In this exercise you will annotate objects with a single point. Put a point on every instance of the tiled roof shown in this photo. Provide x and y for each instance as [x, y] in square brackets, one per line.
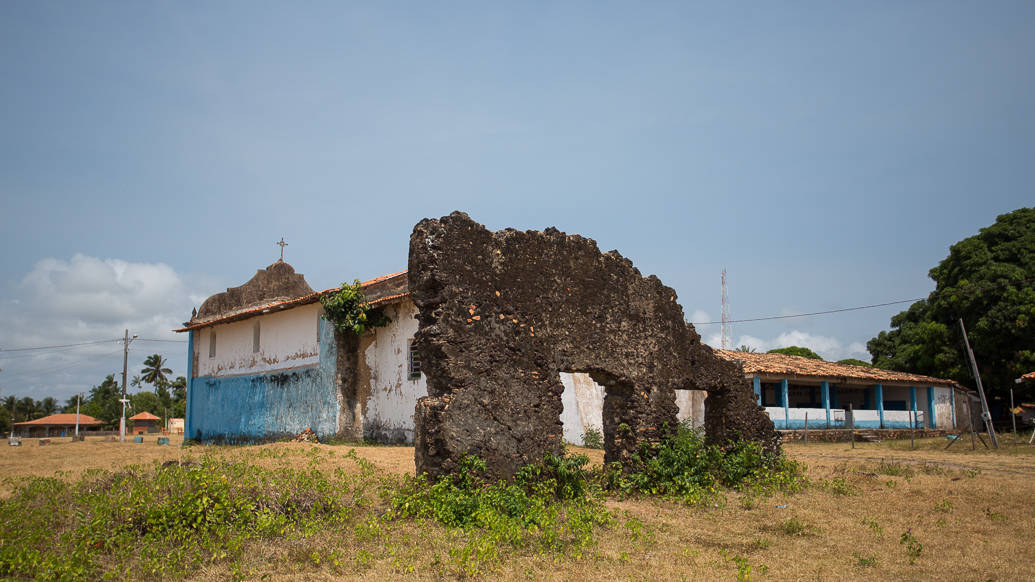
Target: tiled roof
[144, 416]
[61, 420]
[796, 366]
[371, 288]
[1030, 376]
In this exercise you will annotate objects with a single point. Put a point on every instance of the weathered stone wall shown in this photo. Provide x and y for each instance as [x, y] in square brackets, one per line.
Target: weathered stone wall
[502, 313]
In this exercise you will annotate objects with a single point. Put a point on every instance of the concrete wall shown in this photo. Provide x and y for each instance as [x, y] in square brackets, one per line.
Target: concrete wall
[943, 408]
[388, 414]
[287, 339]
[691, 406]
[268, 404]
[583, 401]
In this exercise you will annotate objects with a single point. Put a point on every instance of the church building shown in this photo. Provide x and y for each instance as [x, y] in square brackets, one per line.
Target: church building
[265, 364]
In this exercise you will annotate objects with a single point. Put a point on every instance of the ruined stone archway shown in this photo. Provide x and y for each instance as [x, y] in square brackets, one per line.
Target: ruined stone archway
[502, 313]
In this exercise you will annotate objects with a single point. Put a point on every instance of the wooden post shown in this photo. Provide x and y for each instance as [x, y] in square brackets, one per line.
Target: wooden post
[985, 414]
[851, 425]
[912, 430]
[1013, 418]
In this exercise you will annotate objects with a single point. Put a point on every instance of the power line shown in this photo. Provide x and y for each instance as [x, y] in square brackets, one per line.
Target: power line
[2, 350]
[875, 305]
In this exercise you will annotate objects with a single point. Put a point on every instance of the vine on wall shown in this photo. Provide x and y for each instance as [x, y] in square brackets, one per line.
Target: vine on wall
[347, 309]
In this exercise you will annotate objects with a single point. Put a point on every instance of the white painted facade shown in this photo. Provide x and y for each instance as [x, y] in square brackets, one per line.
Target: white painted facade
[393, 392]
[942, 408]
[286, 339]
[583, 401]
[691, 407]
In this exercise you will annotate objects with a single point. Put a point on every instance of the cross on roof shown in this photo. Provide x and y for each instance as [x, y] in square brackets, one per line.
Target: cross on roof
[282, 245]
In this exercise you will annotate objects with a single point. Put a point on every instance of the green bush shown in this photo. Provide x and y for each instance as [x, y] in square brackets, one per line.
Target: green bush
[683, 466]
[162, 521]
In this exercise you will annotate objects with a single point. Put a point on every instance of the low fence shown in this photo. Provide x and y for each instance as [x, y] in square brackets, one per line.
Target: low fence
[816, 418]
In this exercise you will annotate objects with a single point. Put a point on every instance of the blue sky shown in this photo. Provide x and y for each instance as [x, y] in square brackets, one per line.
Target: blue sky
[825, 154]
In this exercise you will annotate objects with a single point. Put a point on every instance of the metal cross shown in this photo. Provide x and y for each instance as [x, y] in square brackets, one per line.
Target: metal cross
[282, 245]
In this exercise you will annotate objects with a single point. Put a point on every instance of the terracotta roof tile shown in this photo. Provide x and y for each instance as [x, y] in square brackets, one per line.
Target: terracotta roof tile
[61, 420]
[784, 365]
[144, 416]
[304, 300]
[1030, 376]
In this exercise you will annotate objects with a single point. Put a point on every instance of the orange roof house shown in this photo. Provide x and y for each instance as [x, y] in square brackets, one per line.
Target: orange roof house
[796, 390]
[55, 424]
[145, 422]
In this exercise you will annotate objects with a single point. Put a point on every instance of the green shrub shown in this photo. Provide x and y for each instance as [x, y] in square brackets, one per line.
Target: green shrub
[593, 439]
[162, 521]
[683, 466]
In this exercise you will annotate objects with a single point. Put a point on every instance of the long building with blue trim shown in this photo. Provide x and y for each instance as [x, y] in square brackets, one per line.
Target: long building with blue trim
[795, 390]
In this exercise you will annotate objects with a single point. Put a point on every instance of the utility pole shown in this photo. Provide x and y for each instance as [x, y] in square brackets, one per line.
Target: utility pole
[78, 397]
[985, 414]
[125, 371]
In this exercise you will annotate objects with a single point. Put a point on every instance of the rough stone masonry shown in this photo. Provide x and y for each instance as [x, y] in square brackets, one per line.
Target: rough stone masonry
[502, 313]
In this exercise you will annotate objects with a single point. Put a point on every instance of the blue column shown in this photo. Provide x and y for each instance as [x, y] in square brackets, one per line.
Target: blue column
[757, 382]
[878, 395]
[952, 405]
[824, 388]
[187, 427]
[930, 407]
[786, 403]
[912, 401]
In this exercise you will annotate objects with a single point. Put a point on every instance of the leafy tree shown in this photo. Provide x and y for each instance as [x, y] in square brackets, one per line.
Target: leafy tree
[347, 309]
[48, 406]
[796, 351]
[103, 402]
[154, 371]
[855, 362]
[27, 409]
[987, 281]
[747, 348]
[178, 387]
[146, 402]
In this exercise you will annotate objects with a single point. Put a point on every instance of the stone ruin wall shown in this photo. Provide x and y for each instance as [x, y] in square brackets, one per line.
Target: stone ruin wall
[502, 313]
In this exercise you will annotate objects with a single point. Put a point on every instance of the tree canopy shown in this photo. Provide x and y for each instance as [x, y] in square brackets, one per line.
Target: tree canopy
[855, 362]
[796, 351]
[987, 281]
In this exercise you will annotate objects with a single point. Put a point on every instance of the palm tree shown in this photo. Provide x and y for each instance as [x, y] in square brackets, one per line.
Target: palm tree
[48, 406]
[154, 372]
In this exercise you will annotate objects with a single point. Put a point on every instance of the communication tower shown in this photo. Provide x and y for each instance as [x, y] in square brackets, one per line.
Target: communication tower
[725, 341]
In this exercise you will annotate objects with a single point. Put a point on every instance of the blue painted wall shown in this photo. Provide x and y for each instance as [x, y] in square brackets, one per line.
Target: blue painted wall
[267, 405]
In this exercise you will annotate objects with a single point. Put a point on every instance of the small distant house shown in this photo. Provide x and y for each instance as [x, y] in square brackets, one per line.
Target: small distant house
[56, 425]
[145, 422]
[792, 388]
[175, 426]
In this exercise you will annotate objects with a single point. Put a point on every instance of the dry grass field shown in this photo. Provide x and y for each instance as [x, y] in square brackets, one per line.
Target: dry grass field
[879, 511]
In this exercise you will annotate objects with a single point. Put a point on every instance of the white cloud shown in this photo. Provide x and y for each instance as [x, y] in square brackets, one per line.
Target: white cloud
[700, 316]
[829, 348]
[88, 299]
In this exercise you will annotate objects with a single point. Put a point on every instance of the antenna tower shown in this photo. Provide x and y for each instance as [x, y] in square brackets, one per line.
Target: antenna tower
[726, 341]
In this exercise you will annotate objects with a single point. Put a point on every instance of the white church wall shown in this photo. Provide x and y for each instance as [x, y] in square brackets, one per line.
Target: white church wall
[583, 401]
[393, 392]
[287, 339]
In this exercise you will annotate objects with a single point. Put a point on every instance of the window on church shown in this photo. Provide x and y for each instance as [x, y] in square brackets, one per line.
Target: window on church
[212, 344]
[255, 337]
[415, 368]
